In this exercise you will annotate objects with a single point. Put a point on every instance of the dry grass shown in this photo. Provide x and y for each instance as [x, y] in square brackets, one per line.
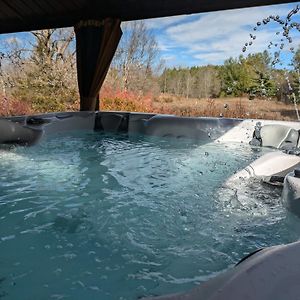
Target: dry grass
[169, 104]
[226, 107]
[172, 104]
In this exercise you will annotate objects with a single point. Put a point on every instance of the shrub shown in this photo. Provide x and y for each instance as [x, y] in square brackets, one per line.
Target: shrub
[14, 107]
[112, 99]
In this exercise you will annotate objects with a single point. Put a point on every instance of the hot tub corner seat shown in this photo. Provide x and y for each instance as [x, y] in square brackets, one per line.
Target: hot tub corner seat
[276, 136]
[13, 133]
[274, 166]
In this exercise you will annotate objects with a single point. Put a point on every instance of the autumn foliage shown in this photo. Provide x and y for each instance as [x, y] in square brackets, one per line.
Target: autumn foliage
[12, 106]
[113, 99]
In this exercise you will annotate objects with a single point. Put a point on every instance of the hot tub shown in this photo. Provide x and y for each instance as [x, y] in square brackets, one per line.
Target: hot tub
[129, 205]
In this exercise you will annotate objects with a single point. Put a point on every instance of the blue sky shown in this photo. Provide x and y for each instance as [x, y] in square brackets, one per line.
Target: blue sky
[209, 38]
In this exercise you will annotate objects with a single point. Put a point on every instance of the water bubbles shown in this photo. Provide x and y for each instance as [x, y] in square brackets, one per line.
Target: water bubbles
[283, 37]
[290, 14]
[286, 32]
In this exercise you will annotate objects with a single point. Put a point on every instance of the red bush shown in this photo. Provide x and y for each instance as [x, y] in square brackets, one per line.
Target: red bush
[13, 107]
[114, 99]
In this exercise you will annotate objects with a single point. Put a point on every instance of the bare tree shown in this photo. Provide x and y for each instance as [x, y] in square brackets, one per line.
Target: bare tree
[136, 59]
[48, 78]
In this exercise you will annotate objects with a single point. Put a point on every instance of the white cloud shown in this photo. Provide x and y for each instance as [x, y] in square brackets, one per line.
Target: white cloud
[214, 37]
[220, 24]
[13, 40]
[168, 57]
[160, 23]
[218, 50]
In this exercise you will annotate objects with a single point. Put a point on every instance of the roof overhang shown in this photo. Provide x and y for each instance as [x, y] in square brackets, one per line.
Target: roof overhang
[26, 15]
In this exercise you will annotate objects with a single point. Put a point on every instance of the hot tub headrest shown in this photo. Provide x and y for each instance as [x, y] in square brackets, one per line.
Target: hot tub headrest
[275, 136]
[15, 133]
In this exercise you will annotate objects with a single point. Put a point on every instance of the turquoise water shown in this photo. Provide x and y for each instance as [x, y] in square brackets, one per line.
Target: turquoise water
[93, 216]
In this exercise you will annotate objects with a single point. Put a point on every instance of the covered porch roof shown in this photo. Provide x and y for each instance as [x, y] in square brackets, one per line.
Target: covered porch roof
[25, 15]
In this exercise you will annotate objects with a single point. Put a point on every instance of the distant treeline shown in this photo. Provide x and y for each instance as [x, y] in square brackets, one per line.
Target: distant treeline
[253, 76]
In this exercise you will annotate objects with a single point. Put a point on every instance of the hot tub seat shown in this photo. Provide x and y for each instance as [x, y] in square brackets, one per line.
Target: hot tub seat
[276, 136]
[273, 167]
[291, 192]
[202, 129]
[270, 274]
[267, 167]
[17, 134]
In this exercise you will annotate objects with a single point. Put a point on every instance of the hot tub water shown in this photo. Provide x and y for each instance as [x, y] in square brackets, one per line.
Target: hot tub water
[94, 216]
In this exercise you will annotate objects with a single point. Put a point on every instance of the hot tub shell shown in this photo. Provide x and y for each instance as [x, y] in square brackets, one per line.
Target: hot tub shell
[201, 128]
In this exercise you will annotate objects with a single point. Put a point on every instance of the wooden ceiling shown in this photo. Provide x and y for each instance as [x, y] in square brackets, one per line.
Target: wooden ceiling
[25, 15]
